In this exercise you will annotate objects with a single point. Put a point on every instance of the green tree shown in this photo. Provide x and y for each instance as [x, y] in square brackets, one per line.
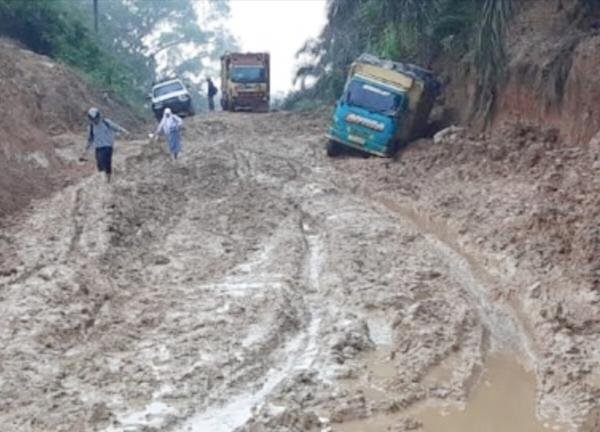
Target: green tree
[159, 37]
[136, 39]
[47, 27]
[406, 30]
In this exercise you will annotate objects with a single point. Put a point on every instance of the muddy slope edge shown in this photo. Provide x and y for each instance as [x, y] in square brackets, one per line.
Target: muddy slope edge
[42, 124]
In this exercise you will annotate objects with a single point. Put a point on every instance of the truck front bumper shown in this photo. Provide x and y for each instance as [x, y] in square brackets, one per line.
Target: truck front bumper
[250, 102]
[357, 146]
[177, 106]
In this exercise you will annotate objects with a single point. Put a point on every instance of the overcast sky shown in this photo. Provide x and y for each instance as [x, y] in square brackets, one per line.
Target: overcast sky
[277, 26]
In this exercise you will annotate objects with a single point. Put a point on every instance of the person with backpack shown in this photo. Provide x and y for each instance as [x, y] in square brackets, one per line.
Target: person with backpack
[170, 126]
[212, 91]
[101, 136]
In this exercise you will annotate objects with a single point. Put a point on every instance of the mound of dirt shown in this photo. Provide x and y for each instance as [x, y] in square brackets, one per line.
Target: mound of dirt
[41, 117]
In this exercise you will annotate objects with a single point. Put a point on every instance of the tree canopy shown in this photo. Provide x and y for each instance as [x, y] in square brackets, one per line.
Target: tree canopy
[137, 42]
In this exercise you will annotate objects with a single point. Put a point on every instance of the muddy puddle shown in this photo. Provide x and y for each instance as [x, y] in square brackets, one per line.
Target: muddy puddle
[502, 401]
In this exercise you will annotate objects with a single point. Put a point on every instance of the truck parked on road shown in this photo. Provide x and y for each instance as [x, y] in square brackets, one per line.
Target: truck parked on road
[245, 82]
[384, 104]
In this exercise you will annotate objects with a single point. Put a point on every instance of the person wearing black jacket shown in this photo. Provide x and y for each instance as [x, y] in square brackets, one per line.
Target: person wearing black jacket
[212, 91]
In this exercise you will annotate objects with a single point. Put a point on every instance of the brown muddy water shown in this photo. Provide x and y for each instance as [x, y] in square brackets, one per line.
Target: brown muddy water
[502, 401]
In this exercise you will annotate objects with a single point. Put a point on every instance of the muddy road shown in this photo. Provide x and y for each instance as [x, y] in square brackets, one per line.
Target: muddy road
[253, 285]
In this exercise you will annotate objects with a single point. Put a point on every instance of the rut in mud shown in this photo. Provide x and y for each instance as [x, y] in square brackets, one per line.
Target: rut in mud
[252, 285]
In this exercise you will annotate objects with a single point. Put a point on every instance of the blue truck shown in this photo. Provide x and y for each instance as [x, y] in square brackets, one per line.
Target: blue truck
[384, 104]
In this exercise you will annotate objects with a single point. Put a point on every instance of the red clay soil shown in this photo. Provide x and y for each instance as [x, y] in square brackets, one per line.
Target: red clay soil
[551, 77]
[553, 70]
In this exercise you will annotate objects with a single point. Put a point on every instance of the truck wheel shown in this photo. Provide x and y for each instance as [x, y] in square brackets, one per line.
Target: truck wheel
[333, 149]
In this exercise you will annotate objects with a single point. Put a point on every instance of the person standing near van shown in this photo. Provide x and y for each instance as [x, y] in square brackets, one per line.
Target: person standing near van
[212, 91]
[170, 127]
[101, 136]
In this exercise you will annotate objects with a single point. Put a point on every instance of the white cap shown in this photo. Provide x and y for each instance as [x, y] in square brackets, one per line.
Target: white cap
[93, 113]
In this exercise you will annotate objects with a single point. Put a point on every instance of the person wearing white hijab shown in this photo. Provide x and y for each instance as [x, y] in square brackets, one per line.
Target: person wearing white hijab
[170, 127]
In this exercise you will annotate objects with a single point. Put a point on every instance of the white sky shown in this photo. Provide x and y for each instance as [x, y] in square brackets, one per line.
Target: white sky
[277, 26]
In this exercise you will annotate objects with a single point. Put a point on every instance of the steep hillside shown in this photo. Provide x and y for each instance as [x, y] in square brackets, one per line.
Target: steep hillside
[553, 68]
[551, 76]
[42, 117]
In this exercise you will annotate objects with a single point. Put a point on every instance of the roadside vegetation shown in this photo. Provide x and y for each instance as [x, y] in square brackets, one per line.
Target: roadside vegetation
[470, 32]
[137, 42]
[403, 30]
[48, 27]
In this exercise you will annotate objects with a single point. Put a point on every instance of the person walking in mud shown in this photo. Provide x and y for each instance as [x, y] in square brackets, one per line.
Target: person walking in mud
[170, 126]
[101, 136]
[212, 91]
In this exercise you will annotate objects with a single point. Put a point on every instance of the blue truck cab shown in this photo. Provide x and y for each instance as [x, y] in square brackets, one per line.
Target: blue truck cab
[383, 105]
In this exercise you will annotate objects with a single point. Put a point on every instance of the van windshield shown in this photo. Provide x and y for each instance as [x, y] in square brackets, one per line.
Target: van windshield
[373, 97]
[167, 88]
[247, 74]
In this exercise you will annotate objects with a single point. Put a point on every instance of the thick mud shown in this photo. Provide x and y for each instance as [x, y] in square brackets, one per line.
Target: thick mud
[503, 400]
[250, 286]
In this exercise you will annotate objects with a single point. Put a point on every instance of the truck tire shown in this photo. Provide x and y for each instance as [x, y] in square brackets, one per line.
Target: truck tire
[333, 149]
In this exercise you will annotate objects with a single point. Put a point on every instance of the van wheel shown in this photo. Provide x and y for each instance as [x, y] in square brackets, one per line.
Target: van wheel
[333, 149]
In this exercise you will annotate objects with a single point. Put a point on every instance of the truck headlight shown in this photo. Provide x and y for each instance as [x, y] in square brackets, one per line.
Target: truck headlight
[183, 98]
[158, 105]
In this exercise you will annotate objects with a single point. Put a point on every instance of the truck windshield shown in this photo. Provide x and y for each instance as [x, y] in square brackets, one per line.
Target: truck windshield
[373, 97]
[167, 88]
[247, 74]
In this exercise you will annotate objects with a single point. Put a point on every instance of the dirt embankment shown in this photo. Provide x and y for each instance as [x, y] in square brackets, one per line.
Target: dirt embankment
[551, 76]
[42, 117]
[553, 69]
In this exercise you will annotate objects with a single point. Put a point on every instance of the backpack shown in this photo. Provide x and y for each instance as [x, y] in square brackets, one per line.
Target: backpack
[212, 89]
[91, 130]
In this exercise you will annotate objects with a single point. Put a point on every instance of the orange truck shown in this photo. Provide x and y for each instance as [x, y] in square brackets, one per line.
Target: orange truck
[245, 82]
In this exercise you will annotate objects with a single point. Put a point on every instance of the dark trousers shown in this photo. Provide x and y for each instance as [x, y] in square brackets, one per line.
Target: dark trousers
[104, 159]
[211, 103]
